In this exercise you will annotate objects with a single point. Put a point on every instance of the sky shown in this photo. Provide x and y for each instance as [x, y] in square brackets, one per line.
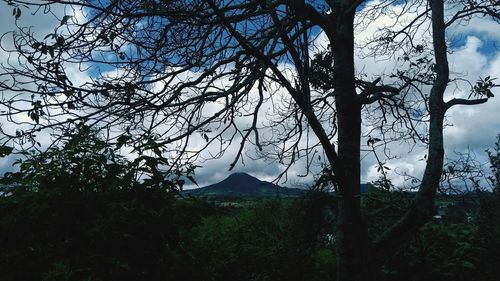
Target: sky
[475, 53]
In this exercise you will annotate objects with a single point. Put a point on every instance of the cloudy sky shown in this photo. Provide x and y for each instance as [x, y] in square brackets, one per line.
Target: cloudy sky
[475, 53]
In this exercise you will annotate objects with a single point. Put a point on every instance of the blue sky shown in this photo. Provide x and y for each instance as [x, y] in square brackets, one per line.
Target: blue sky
[475, 53]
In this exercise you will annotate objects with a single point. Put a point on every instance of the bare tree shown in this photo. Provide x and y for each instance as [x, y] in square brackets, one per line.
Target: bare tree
[162, 73]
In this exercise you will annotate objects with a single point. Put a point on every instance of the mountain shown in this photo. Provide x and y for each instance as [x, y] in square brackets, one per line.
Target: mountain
[243, 185]
[364, 187]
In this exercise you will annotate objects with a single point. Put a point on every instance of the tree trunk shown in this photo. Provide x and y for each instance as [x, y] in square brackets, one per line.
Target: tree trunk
[354, 262]
[423, 206]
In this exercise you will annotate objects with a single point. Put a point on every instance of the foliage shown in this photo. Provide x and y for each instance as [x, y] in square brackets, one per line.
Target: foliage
[488, 219]
[459, 245]
[74, 235]
[146, 234]
[383, 205]
[108, 230]
[83, 212]
[494, 157]
[439, 252]
[488, 233]
[275, 240]
[68, 229]
[86, 162]
[79, 213]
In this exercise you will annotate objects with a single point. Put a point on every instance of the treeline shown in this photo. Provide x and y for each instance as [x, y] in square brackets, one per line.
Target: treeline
[148, 234]
[76, 213]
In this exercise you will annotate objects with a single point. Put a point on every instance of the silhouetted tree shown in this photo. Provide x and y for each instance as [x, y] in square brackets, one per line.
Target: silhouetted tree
[162, 73]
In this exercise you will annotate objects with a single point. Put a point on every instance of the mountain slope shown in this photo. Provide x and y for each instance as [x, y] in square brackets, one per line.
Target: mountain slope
[243, 185]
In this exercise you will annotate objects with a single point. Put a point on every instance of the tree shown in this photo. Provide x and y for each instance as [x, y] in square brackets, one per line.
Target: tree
[83, 212]
[163, 73]
[86, 163]
[488, 220]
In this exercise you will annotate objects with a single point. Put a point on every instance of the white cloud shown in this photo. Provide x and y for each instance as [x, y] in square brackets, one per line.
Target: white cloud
[478, 26]
[472, 126]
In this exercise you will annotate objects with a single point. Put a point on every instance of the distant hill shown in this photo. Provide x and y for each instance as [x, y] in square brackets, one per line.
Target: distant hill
[364, 187]
[243, 185]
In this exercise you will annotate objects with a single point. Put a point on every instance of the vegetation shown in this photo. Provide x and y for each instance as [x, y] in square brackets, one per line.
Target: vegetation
[56, 227]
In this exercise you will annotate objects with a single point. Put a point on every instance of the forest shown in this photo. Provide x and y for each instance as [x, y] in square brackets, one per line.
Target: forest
[63, 219]
[109, 109]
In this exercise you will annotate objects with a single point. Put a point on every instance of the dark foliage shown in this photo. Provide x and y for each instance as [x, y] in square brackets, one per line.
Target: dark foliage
[68, 229]
[82, 212]
[71, 235]
[276, 240]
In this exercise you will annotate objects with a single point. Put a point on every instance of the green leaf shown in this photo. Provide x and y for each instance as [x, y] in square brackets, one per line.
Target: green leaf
[36, 45]
[69, 93]
[5, 150]
[35, 117]
[191, 178]
[16, 12]
[64, 20]
[122, 140]
[51, 51]
[157, 151]
[60, 41]
[150, 161]
[468, 265]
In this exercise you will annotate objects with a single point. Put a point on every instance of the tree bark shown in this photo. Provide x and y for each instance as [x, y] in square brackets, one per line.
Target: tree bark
[353, 244]
[354, 247]
[423, 206]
